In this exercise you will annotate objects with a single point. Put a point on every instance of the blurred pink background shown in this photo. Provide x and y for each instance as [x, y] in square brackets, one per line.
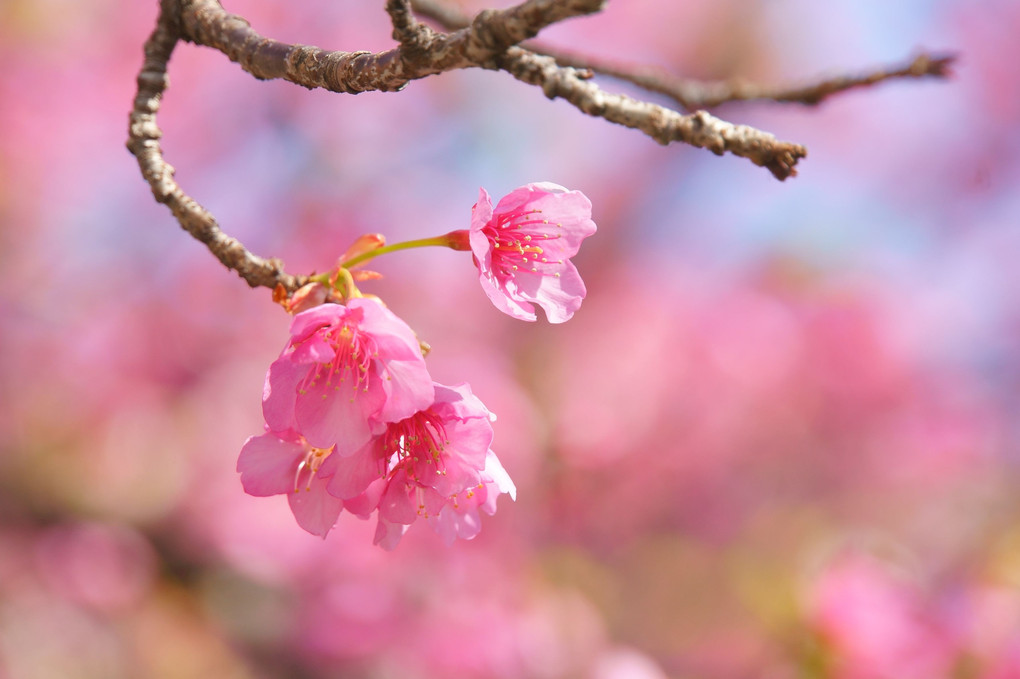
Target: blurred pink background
[779, 439]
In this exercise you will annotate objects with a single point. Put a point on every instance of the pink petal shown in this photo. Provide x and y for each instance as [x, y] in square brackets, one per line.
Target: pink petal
[363, 505]
[408, 388]
[495, 471]
[267, 465]
[394, 339]
[396, 505]
[387, 535]
[314, 349]
[525, 194]
[279, 393]
[329, 415]
[308, 322]
[481, 212]
[559, 296]
[315, 510]
[352, 475]
[506, 301]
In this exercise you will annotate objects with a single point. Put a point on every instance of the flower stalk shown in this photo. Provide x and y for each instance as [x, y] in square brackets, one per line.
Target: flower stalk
[455, 240]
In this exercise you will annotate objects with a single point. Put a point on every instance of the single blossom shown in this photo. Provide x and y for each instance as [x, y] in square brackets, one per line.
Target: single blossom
[523, 248]
[435, 464]
[458, 518]
[345, 371]
[403, 499]
[284, 463]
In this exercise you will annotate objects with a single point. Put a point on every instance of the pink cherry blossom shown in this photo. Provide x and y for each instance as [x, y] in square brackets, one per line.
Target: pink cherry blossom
[405, 498]
[459, 517]
[436, 464]
[523, 249]
[344, 370]
[284, 463]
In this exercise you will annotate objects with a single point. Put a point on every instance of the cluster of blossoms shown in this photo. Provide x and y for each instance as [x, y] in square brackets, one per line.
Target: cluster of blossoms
[354, 420]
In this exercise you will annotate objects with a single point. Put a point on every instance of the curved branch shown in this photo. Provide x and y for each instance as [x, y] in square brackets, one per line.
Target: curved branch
[143, 142]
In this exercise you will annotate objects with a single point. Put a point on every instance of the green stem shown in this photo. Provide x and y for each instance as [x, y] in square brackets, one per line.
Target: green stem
[442, 241]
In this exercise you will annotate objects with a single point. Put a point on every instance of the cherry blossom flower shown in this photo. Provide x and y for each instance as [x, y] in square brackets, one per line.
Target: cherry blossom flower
[436, 464]
[523, 249]
[345, 370]
[404, 499]
[284, 463]
[459, 517]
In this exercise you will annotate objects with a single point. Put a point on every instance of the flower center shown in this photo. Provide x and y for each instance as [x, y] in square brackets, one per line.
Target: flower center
[352, 358]
[309, 467]
[515, 236]
[417, 443]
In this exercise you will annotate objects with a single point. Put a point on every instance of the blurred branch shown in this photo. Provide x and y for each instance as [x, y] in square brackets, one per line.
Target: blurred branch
[694, 94]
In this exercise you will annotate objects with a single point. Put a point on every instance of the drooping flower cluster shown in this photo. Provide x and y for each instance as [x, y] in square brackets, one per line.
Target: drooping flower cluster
[354, 421]
[353, 418]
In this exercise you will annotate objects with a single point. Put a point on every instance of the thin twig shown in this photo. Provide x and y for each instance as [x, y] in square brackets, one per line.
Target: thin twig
[696, 94]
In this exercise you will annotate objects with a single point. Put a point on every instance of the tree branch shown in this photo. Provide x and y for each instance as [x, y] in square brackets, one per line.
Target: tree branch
[661, 124]
[143, 141]
[694, 94]
[488, 41]
[205, 22]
